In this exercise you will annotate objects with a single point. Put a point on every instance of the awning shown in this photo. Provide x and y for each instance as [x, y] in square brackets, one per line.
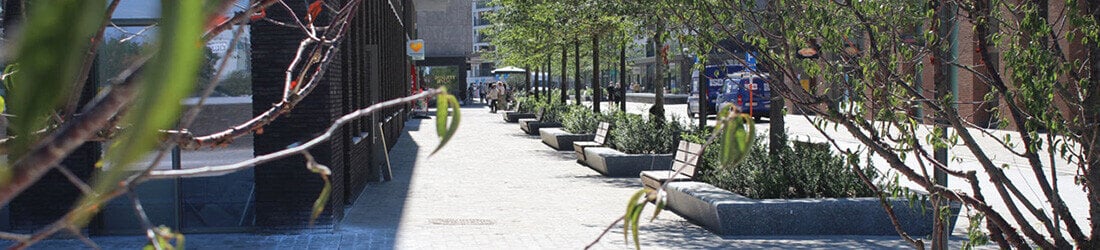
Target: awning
[509, 69]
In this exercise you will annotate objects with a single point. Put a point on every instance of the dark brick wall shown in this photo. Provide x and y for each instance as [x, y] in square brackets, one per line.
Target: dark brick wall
[370, 67]
[52, 196]
[285, 189]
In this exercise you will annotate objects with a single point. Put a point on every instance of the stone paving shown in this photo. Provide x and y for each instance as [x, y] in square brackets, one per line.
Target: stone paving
[493, 187]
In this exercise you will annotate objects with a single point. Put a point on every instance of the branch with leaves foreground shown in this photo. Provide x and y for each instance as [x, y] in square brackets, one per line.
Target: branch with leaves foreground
[444, 126]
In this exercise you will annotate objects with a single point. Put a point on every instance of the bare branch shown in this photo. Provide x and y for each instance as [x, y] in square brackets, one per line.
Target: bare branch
[150, 232]
[76, 232]
[14, 236]
[75, 180]
[71, 135]
[86, 67]
[225, 169]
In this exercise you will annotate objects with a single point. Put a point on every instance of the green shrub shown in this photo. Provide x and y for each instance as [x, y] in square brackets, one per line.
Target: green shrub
[551, 111]
[804, 170]
[579, 119]
[239, 83]
[525, 104]
[634, 134]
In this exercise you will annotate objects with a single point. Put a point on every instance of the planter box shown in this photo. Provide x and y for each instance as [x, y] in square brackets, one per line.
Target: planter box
[612, 163]
[730, 214]
[532, 126]
[511, 116]
[558, 139]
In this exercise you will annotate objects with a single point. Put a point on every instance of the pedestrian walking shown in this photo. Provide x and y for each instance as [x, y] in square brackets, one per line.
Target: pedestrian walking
[495, 95]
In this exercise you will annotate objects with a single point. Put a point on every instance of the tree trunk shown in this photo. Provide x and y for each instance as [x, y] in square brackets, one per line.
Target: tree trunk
[527, 77]
[622, 77]
[777, 136]
[596, 94]
[658, 109]
[564, 96]
[1092, 145]
[549, 80]
[535, 87]
[577, 71]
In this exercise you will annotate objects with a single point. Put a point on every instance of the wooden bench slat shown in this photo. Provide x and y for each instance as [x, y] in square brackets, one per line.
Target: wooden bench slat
[688, 155]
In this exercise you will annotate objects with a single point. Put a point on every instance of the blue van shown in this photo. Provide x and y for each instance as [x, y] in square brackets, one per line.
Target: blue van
[715, 77]
[748, 92]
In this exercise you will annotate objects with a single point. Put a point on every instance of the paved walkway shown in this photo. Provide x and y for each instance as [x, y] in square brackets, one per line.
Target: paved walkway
[493, 187]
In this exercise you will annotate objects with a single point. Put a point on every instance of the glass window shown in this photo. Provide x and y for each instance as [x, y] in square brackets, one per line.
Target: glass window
[209, 204]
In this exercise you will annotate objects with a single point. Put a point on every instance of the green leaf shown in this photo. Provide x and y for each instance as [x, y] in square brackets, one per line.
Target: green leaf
[634, 226]
[444, 130]
[322, 199]
[49, 54]
[631, 208]
[661, 202]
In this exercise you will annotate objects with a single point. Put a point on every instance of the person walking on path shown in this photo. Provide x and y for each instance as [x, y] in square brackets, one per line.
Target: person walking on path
[495, 95]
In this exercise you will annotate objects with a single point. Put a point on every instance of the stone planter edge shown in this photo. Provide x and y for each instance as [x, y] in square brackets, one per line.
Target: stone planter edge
[729, 214]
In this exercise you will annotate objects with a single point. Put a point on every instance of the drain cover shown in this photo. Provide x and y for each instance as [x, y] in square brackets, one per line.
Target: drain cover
[460, 222]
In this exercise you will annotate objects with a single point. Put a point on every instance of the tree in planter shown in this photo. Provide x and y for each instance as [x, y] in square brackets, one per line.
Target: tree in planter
[1040, 72]
[49, 64]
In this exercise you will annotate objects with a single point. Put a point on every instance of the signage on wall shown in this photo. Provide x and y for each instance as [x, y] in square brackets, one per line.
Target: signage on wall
[415, 49]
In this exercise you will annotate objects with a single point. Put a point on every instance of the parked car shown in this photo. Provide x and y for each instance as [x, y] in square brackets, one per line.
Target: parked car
[716, 76]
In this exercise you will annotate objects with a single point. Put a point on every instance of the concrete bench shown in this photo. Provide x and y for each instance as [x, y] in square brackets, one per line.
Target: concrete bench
[601, 138]
[686, 160]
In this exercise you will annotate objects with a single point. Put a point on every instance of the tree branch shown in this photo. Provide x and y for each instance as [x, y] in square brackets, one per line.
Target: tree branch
[71, 135]
[226, 169]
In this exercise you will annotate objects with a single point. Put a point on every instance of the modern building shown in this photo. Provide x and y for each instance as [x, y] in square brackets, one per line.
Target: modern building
[480, 68]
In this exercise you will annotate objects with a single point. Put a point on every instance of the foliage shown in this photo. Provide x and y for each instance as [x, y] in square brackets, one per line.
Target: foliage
[635, 134]
[48, 58]
[526, 104]
[799, 170]
[552, 110]
[873, 55]
[207, 70]
[115, 55]
[238, 83]
[443, 77]
[735, 131]
[579, 119]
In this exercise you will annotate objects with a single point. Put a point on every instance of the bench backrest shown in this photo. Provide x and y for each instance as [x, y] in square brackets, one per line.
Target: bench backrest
[688, 156]
[538, 114]
[601, 133]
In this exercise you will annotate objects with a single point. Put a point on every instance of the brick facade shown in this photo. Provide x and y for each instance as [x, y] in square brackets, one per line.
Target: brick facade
[370, 67]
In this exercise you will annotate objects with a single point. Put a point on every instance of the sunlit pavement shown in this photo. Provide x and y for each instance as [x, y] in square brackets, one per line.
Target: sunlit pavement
[494, 187]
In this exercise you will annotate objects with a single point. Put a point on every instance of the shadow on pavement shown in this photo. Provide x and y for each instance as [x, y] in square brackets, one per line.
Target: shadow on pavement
[595, 177]
[376, 216]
